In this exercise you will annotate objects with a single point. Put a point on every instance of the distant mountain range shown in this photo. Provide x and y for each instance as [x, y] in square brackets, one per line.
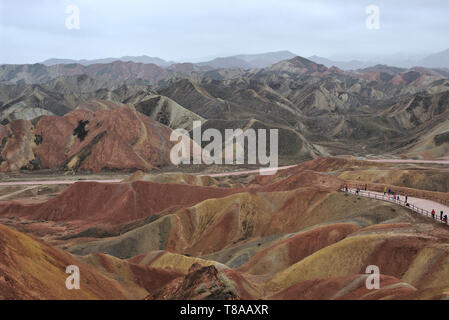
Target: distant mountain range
[246, 61]
[437, 60]
[137, 59]
[345, 65]
[249, 61]
[263, 60]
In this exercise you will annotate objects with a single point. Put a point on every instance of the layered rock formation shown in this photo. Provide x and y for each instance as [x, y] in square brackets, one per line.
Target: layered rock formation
[100, 135]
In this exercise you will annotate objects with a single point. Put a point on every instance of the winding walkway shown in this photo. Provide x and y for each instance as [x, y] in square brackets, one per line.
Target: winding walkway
[421, 206]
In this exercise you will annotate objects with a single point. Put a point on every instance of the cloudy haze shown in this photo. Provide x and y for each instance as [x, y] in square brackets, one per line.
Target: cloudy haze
[183, 30]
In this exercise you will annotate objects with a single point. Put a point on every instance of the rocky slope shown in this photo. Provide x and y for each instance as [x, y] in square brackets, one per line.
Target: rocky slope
[98, 136]
[31, 269]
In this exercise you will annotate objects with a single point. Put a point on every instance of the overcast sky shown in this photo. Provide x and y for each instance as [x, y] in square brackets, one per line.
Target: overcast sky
[191, 30]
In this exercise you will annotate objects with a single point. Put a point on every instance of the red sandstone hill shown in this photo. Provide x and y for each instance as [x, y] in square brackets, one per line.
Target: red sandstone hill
[31, 269]
[136, 280]
[100, 135]
[109, 205]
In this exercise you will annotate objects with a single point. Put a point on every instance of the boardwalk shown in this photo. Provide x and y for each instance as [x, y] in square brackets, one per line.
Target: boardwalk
[422, 206]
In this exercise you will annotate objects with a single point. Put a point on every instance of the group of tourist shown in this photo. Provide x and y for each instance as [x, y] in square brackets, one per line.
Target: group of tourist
[357, 189]
[443, 217]
[395, 196]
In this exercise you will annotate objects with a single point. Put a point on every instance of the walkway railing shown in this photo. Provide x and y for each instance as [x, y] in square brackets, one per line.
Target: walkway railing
[422, 194]
[390, 198]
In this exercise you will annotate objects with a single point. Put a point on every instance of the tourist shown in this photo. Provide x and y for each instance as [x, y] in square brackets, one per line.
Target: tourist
[366, 186]
[385, 190]
[433, 213]
[406, 198]
[441, 215]
[445, 218]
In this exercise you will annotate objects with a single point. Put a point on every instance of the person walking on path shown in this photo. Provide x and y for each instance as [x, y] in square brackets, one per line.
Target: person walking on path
[385, 190]
[445, 218]
[366, 186]
[406, 198]
[441, 215]
[433, 213]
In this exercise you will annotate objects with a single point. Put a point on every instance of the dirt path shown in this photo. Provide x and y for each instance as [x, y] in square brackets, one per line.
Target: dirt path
[409, 161]
[8, 195]
[237, 173]
[41, 182]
